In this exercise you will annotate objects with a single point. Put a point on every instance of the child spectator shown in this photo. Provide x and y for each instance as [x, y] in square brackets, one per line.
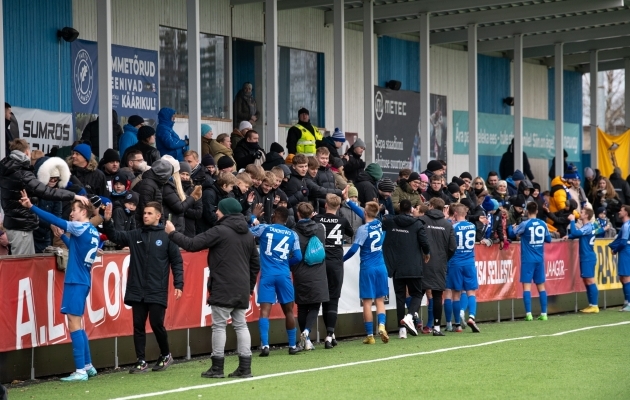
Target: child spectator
[120, 185]
[124, 213]
[606, 229]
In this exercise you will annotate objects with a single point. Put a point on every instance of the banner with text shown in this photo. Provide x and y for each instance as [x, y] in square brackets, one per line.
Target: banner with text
[495, 132]
[497, 272]
[44, 129]
[606, 268]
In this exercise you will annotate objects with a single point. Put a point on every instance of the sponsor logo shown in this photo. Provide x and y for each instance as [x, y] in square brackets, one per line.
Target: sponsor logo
[83, 76]
[158, 242]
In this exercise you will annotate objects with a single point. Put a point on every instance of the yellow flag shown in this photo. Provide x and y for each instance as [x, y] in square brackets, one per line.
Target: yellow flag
[613, 151]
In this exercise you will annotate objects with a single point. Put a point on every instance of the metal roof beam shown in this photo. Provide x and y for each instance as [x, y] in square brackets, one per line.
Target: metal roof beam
[558, 37]
[585, 58]
[395, 10]
[579, 47]
[604, 66]
[293, 4]
[553, 24]
[499, 15]
[241, 2]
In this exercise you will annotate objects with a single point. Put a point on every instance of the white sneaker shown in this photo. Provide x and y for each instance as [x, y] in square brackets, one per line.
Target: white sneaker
[402, 333]
[408, 323]
[303, 339]
[462, 318]
[309, 345]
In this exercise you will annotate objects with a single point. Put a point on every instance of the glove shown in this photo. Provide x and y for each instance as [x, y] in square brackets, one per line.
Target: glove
[305, 191]
[504, 245]
[487, 242]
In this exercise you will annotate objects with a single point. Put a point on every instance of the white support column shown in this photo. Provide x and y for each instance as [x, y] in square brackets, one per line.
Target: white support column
[518, 102]
[194, 76]
[104, 39]
[425, 91]
[340, 65]
[559, 107]
[271, 53]
[593, 92]
[368, 79]
[627, 88]
[3, 149]
[473, 122]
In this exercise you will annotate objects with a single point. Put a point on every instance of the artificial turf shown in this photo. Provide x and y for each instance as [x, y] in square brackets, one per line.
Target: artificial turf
[588, 364]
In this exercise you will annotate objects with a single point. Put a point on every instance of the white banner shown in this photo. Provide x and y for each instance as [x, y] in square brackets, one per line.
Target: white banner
[44, 129]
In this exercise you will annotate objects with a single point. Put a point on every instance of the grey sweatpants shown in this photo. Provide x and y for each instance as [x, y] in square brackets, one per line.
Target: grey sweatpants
[220, 315]
[22, 243]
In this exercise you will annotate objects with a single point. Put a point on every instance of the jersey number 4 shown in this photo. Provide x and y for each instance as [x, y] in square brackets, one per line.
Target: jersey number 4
[336, 235]
[282, 247]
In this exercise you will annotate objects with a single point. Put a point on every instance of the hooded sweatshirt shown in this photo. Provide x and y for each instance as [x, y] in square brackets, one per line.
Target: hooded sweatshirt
[310, 281]
[404, 241]
[442, 245]
[167, 140]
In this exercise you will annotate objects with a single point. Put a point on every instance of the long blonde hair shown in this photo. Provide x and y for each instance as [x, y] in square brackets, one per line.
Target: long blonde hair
[178, 186]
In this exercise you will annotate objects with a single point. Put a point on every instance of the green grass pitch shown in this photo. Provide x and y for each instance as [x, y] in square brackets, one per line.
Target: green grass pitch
[585, 364]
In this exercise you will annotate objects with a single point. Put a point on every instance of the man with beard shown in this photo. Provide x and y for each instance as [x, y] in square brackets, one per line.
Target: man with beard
[302, 136]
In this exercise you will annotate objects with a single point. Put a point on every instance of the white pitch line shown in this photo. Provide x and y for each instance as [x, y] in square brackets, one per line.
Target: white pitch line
[301, 371]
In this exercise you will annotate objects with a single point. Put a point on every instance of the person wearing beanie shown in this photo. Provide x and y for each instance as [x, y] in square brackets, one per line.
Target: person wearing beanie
[333, 143]
[275, 156]
[434, 167]
[466, 175]
[366, 183]
[206, 139]
[517, 208]
[208, 162]
[353, 164]
[194, 181]
[175, 202]
[145, 144]
[147, 288]
[303, 136]
[225, 164]
[184, 167]
[130, 133]
[408, 189]
[506, 165]
[453, 191]
[84, 167]
[605, 228]
[385, 189]
[91, 133]
[239, 133]
[167, 140]
[109, 165]
[514, 181]
[150, 187]
[124, 212]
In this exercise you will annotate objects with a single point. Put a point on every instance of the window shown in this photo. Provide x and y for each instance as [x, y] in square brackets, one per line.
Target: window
[174, 72]
[300, 84]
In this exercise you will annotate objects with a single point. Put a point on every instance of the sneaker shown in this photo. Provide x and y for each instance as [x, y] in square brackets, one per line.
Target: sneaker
[328, 344]
[295, 350]
[438, 333]
[462, 318]
[383, 333]
[333, 341]
[402, 333]
[75, 377]
[309, 345]
[543, 317]
[449, 328]
[426, 330]
[409, 325]
[140, 367]
[590, 310]
[473, 325]
[91, 372]
[369, 340]
[529, 317]
[303, 338]
[264, 352]
[163, 362]
[626, 308]
[458, 329]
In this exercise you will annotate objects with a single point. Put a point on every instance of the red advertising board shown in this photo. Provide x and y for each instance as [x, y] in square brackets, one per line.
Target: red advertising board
[497, 272]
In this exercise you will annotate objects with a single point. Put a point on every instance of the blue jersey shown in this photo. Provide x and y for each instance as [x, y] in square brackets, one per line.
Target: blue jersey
[534, 234]
[278, 246]
[586, 235]
[621, 244]
[370, 238]
[82, 246]
[465, 233]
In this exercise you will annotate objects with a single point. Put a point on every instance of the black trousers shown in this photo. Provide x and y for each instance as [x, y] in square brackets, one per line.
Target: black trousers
[155, 313]
[437, 307]
[329, 313]
[307, 315]
[414, 286]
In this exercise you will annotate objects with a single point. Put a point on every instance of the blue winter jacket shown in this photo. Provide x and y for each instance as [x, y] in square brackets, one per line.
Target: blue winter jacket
[128, 138]
[167, 140]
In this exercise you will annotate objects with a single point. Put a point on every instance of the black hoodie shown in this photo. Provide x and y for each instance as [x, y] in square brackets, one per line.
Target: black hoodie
[366, 186]
[405, 242]
[310, 281]
[442, 244]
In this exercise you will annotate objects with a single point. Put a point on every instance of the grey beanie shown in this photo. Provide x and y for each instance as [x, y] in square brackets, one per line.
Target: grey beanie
[184, 167]
[162, 168]
[359, 143]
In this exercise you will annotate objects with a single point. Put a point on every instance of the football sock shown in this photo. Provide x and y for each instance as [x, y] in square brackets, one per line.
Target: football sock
[380, 318]
[86, 352]
[626, 291]
[78, 350]
[263, 327]
[527, 300]
[369, 328]
[408, 302]
[430, 310]
[290, 334]
[463, 301]
[593, 294]
[543, 302]
[456, 310]
[472, 306]
[448, 310]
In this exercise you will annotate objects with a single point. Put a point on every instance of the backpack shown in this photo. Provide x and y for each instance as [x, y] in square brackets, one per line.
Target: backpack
[314, 253]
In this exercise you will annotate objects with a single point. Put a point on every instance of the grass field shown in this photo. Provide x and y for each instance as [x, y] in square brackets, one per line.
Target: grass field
[559, 358]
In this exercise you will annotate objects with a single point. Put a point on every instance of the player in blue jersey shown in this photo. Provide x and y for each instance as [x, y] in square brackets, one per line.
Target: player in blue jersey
[373, 273]
[533, 234]
[621, 247]
[279, 249]
[82, 246]
[588, 259]
[462, 272]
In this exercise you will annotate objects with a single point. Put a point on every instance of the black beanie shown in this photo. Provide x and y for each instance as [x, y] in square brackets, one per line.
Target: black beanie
[434, 165]
[466, 175]
[276, 147]
[457, 180]
[109, 156]
[145, 132]
[225, 162]
[453, 187]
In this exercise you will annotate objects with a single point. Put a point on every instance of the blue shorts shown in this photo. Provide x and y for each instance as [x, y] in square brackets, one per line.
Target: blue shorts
[275, 285]
[462, 277]
[73, 299]
[623, 266]
[373, 283]
[535, 272]
[587, 269]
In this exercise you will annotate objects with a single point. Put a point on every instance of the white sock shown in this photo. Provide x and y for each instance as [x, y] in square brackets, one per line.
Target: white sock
[306, 332]
[436, 328]
[87, 366]
[329, 338]
[449, 325]
[333, 335]
[80, 371]
[529, 313]
[543, 313]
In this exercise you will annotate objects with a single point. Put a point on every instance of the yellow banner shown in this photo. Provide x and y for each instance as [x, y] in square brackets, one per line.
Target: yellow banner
[613, 149]
[606, 267]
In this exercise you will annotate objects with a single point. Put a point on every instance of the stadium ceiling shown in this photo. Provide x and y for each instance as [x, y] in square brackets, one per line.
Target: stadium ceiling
[582, 25]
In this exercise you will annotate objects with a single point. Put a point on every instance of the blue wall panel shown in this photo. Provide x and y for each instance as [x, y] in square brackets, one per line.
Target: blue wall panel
[493, 84]
[399, 60]
[243, 63]
[32, 54]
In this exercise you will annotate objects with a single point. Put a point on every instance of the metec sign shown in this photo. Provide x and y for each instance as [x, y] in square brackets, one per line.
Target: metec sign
[44, 129]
